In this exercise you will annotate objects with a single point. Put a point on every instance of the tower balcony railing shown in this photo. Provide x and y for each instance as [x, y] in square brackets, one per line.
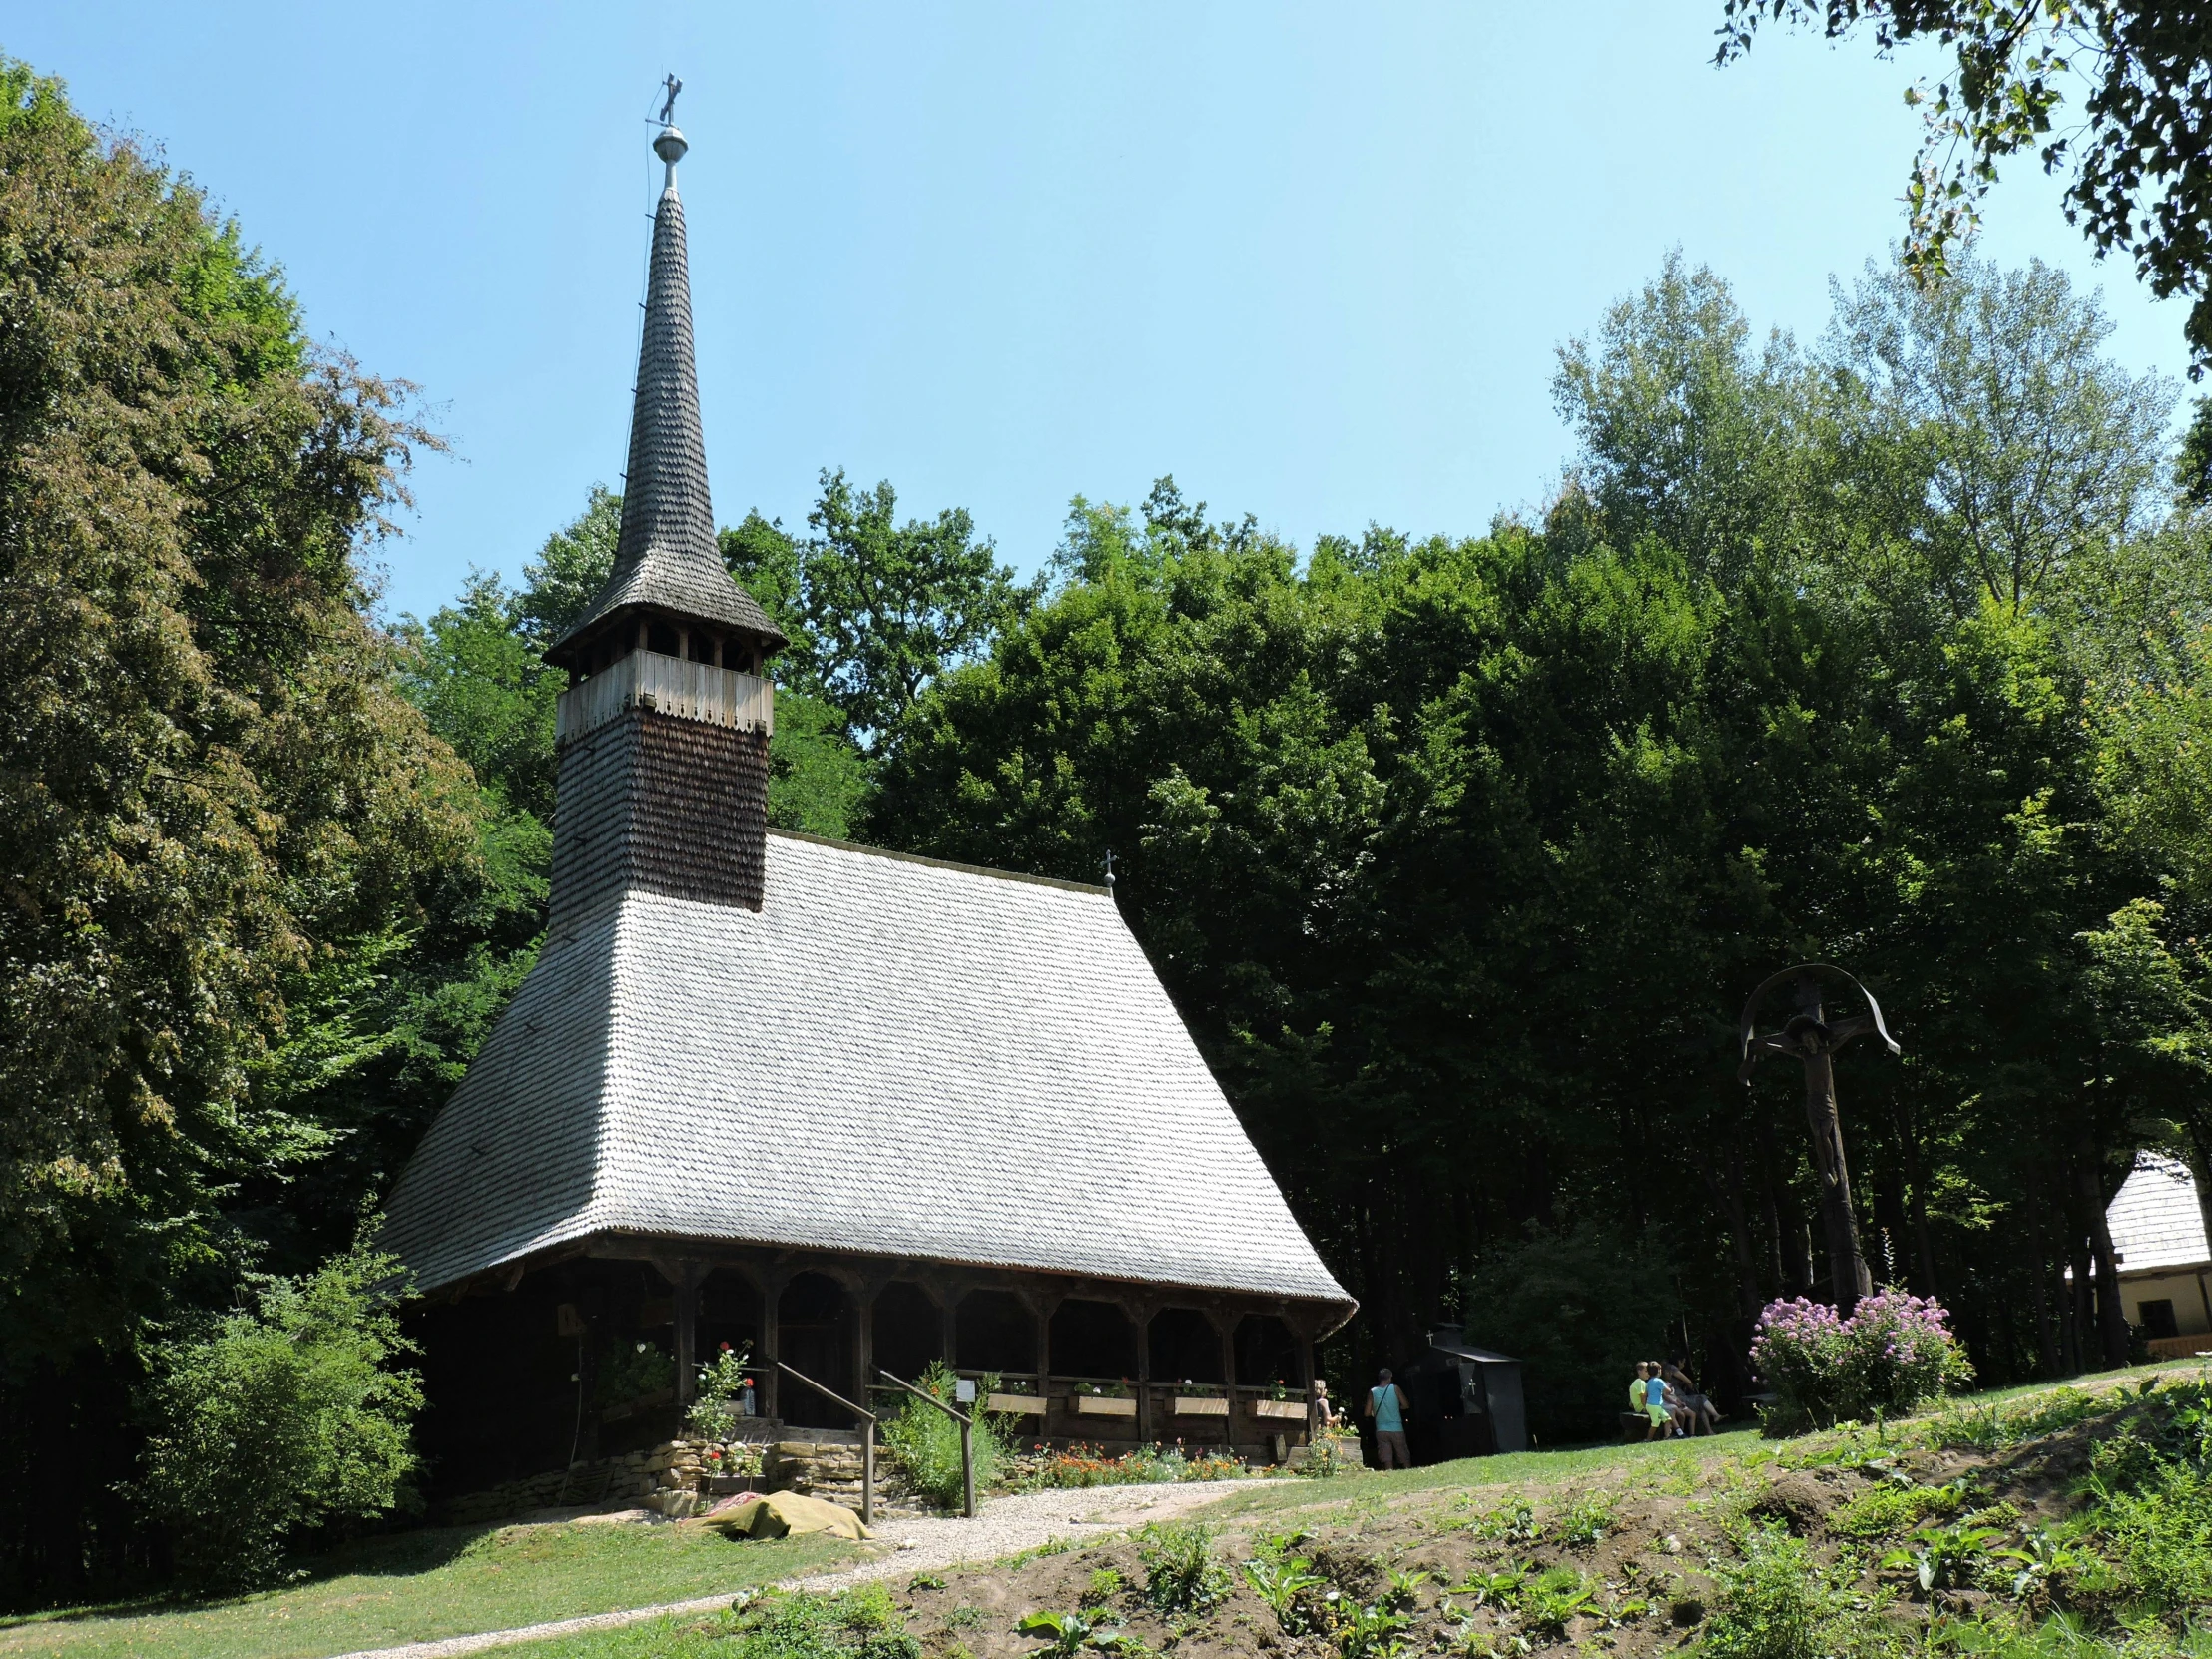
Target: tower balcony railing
[648, 680]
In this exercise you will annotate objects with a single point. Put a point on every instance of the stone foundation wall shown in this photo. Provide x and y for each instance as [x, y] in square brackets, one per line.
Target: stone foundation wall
[671, 1478]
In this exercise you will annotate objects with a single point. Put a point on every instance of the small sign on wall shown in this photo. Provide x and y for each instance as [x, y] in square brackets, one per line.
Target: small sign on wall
[963, 1391]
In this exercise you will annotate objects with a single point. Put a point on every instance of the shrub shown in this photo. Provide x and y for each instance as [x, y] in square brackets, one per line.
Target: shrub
[626, 1370]
[1181, 1574]
[1290, 1589]
[1585, 1525]
[1894, 1353]
[1086, 1465]
[927, 1442]
[1555, 1595]
[720, 1386]
[280, 1417]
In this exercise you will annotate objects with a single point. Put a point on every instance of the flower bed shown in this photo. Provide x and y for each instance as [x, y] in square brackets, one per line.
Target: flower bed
[1085, 1465]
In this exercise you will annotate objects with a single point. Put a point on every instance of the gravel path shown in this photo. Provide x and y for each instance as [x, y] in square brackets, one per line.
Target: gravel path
[905, 1544]
[1009, 1525]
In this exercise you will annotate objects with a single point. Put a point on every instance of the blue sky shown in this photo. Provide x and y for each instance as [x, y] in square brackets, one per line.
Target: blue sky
[1313, 260]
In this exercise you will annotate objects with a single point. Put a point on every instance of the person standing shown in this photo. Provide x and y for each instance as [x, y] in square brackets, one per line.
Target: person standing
[1386, 1406]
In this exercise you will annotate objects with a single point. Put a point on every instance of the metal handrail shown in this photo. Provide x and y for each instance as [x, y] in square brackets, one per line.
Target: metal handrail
[967, 1439]
[867, 1437]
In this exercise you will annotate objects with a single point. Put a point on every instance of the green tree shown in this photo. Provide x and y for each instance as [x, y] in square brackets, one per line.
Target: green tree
[886, 607]
[1459, 856]
[570, 568]
[282, 1416]
[208, 787]
[477, 672]
[1980, 423]
[1688, 430]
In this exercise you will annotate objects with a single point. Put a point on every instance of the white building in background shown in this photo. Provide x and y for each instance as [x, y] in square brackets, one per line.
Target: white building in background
[2165, 1266]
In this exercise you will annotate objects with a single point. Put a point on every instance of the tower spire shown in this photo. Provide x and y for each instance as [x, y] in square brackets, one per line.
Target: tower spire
[667, 563]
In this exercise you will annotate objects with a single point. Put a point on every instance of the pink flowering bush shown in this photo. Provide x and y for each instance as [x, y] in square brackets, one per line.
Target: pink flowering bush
[1894, 1351]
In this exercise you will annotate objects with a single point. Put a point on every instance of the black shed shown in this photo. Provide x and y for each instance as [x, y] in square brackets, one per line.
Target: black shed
[1466, 1401]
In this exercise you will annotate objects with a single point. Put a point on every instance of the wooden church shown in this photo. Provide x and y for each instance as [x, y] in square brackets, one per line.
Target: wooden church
[848, 1108]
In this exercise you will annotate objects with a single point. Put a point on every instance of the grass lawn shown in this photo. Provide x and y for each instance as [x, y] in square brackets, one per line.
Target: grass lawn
[421, 1585]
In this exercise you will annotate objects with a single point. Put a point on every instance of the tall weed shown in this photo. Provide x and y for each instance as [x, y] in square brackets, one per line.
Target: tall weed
[1181, 1574]
[927, 1442]
[1777, 1603]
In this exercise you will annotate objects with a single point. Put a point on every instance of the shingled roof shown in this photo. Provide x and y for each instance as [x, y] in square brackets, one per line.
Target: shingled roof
[892, 1056]
[2155, 1219]
[667, 558]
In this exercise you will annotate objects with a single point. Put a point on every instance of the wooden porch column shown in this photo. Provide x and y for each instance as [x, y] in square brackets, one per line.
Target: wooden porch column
[1042, 1307]
[769, 1379]
[1224, 1326]
[1141, 1313]
[863, 1344]
[1306, 1364]
[683, 1278]
[947, 1297]
[687, 1332]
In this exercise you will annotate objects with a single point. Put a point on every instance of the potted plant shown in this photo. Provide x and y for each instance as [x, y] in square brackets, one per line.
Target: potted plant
[1200, 1399]
[1278, 1406]
[1103, 1399]
[722, 1394]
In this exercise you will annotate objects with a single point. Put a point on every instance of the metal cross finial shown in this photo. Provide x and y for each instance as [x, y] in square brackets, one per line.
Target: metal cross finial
[1109, 867]
[668, 104]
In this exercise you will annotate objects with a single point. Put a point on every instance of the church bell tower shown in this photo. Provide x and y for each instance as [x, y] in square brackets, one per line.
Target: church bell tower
[664, 729]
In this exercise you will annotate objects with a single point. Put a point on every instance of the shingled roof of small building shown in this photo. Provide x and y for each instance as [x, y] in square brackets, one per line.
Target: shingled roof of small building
[667, 559]
[893, 1057]
[2155, 1219]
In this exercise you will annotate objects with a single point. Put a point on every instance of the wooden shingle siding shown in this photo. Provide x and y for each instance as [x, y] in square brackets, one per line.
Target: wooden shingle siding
[655, 803]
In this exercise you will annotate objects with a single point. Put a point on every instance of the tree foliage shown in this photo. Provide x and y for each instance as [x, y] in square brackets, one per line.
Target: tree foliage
[284, 1416]
[2140, 177]
[207, 783]
[1461, 854]
[215, 809]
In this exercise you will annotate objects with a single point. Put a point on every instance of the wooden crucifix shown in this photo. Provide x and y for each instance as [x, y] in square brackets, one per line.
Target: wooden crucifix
[1808, 1037]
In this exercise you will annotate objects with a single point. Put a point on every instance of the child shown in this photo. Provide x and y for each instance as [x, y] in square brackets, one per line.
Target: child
[1655, 1403]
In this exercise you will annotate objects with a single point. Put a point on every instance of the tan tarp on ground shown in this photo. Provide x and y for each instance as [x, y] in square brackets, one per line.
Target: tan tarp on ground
[786, 1514]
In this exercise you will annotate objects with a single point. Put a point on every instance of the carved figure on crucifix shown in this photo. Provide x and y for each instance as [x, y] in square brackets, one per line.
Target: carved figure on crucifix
[1811, 1038]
